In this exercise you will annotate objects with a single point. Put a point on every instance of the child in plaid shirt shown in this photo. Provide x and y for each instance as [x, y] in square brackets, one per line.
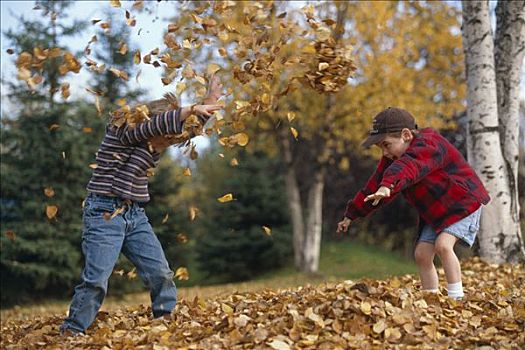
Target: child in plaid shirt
[434, 178]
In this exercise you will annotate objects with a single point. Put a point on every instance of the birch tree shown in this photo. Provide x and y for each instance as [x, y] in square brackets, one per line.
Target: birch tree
[493, 69]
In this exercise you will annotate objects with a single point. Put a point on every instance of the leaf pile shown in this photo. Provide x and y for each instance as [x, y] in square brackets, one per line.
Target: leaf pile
[367, 314]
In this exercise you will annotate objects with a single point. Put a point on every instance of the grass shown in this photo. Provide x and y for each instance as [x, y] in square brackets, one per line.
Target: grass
[339, 261]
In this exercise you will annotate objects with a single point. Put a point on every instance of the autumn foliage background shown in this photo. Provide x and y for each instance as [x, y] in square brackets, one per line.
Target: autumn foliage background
[298, 120]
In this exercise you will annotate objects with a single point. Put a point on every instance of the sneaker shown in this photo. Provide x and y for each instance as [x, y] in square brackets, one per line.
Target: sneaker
[68, 332]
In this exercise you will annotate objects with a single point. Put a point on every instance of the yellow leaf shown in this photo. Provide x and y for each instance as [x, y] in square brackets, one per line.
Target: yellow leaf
[294, 132]
[186, 172]
[53, 127]
[182, 274]
[87, 130]
[200, 79]
[379, 326]
[49, 191]
[165, 218]
[136, 57]
[242, 139]
[182, 238]
[132, 274]
[212, 69]
[93, 165]
[115, 3]
[234, 162]
[193, 211]
[226, 308]
[290, 116]
[226, 198]
[123, 49]
[51, 211]
[267, 230]
[366, 308]
[180, 88]
[323, 66]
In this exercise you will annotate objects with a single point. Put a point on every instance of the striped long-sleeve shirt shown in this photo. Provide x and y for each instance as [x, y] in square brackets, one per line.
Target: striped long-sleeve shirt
[124, 157]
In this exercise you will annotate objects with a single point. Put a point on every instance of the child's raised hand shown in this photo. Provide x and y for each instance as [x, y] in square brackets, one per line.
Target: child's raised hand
[214, 91]
[342, 226]
[382, 192]
[206, 110]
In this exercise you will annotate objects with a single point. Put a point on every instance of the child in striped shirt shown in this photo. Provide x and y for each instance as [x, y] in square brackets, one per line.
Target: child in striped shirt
[113, 217]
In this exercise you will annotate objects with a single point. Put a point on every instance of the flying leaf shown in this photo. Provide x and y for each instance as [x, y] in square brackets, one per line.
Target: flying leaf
[132, 274]
[242, 139]
[290, 116]
[51, 211]
[165, 219]
[115, 3]
[182, 274]
[49, 192]
[212, 69]
[267, 230]
[123, 49]
[182, 238]
[87, 130]
[186, 172]
[64, 89]
[136, 57]
[11, 235]
[193, 211]
[294, 132]
[234, 162]
[226, 198]
[53, 127]
[181, 87]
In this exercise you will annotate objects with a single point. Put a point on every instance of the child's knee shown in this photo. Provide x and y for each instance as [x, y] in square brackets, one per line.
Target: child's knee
[444, 247]
[423, 258]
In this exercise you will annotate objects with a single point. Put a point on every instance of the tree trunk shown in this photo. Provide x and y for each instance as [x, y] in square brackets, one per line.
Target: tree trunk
[312, 244]
[509, 50]
[483, 138]
[294, 201]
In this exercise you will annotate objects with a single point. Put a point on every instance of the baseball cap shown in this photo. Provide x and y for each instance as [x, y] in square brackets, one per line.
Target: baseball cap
[389, 120]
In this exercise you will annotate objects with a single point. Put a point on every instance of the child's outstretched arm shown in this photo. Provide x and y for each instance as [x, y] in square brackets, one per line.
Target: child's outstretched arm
[167, 123]
[359, 206]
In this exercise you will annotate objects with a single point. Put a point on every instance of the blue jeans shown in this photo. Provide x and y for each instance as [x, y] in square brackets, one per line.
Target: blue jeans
[102, 241]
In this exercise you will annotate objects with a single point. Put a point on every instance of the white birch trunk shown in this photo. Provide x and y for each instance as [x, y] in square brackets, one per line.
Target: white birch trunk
[293, 197]
[312, 243]
[509, 51]
[484, 143]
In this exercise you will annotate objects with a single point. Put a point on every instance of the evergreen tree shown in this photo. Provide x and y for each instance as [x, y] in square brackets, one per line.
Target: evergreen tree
[46, 143]
[234, 245]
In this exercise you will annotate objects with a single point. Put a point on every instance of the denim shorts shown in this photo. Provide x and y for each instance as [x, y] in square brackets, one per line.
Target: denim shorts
[465, 229]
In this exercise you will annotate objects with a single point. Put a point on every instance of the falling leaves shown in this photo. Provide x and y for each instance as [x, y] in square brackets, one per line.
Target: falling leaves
[49, 192]
[267, 230]
[226, 198]
[193, 211]
[182, 274]
[51, 211]
[11, 235]
[294, 132]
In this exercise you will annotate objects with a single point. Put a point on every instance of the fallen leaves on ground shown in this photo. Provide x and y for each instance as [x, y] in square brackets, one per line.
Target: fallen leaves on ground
[365, 314]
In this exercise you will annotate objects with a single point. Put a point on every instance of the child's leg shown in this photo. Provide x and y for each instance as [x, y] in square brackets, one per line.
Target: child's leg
[143, 249]
[445, 250]
[424, 256]
[101, 243]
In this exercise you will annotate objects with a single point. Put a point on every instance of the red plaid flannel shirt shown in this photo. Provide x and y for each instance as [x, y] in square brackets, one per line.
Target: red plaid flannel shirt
[433, 177]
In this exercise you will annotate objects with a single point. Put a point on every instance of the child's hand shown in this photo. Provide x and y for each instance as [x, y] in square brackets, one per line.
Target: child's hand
[214, 91]
[382, 192]
[342, 226]
[206, 110]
